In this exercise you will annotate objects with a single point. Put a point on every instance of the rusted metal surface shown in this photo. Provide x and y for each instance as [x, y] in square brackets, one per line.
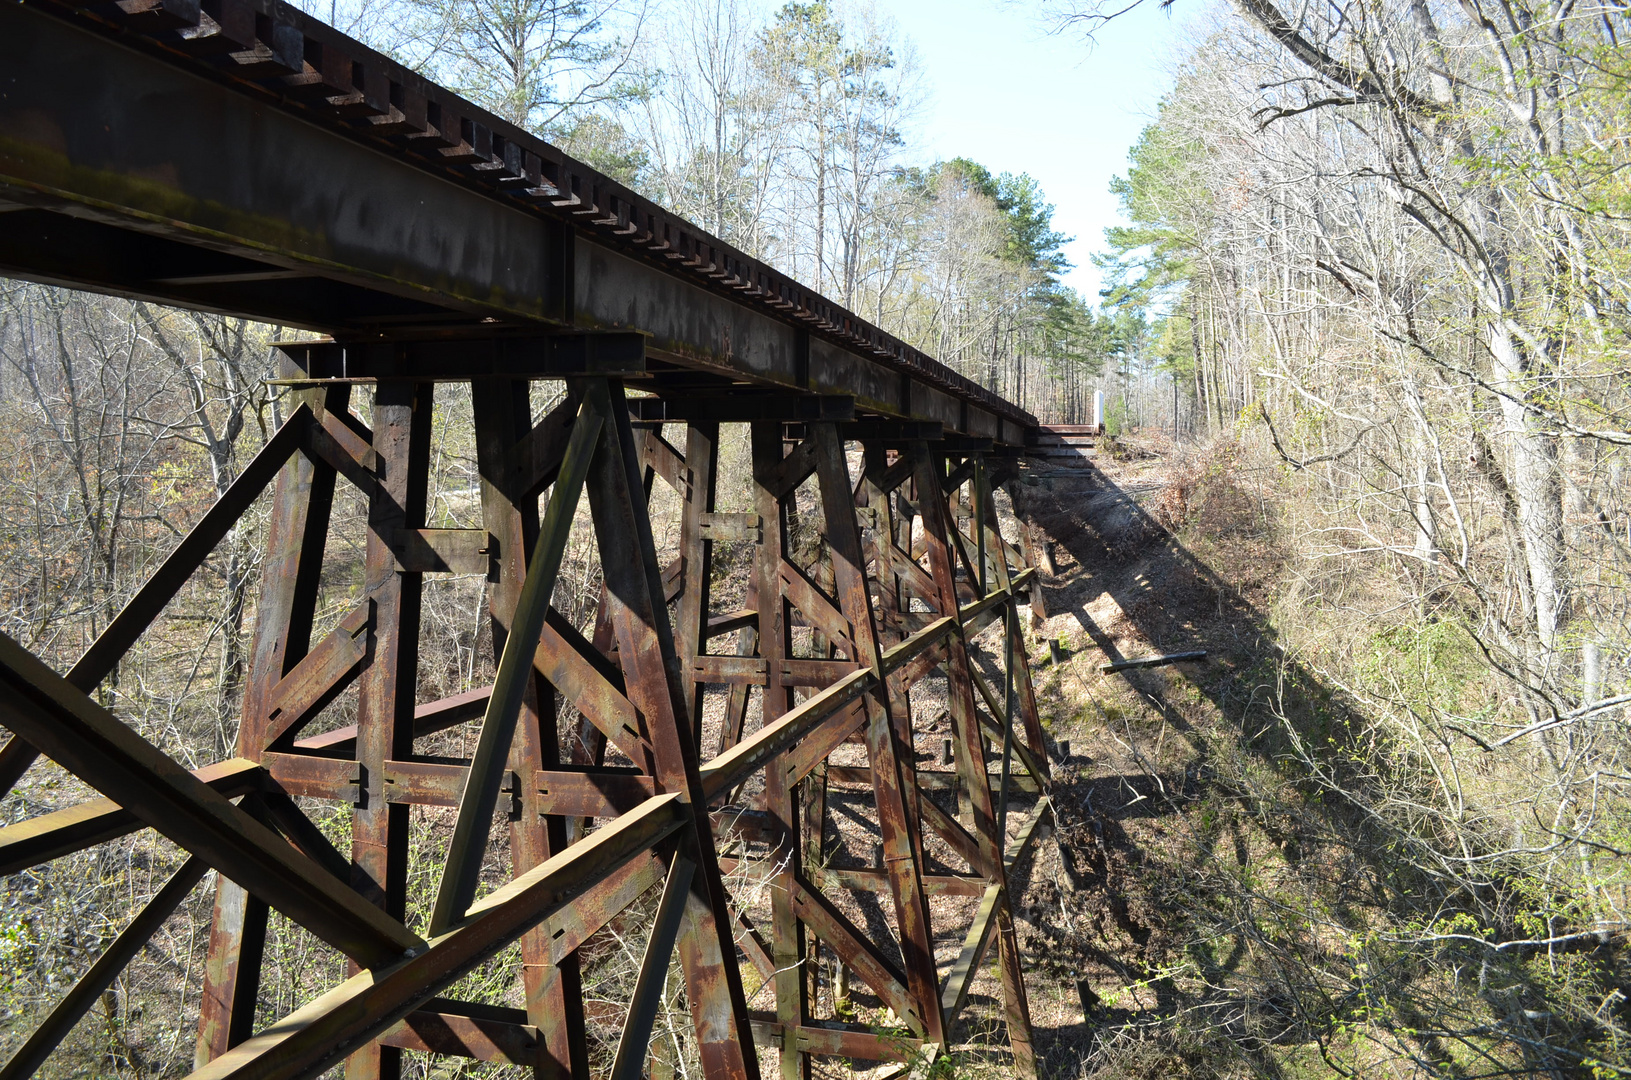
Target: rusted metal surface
[317, 1036]
[89, 741]
[181, 184]
[290, 572]
[428, 719]
[50, 836]
[786, 939]
[648, 988]
[451, 1034]
[111, 645]
[598, 793]
[319, 677]
[641, 684]
[581, 281]
[816, 1038]
[513, 682]
[877, 881]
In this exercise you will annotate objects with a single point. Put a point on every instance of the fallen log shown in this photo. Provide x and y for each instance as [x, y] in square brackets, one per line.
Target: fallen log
[1152, 661]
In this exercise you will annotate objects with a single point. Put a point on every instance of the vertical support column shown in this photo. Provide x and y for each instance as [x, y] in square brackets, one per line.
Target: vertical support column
[939, 521]
[787, 939]
[1032, 550]
[905, 517]
[736, 706]
[969, 740]
[812, 790]
[385, 699]
[696, 558]
[747, 644]
[891, 750]
[735, 718]
[994, 575]
[976, 502]
[890, 629]
[1016, 668]
[639, 620]
[876, 499]
[554, 999]
[963, 554]
[301, 503]
[1019, 666]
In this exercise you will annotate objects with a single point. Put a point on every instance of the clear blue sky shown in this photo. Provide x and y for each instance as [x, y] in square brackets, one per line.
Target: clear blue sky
[1003, 92]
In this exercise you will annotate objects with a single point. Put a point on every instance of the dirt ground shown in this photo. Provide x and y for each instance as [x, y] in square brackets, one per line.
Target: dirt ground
[1108, 958]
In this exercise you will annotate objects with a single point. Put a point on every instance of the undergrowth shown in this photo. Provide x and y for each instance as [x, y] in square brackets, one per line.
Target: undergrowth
[1286, 863]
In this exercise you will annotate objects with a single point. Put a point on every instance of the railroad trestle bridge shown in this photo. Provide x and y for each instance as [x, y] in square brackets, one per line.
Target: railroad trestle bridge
[237, 156]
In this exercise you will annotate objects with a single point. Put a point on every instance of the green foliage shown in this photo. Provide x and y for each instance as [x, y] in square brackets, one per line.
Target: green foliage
[1151, 260]
[1433, 663]
[1174, 348]
[1032, 240]
[811, 38]
[537, 63]
[17, 953]
[1116, 419]
[1063, 328]
[605, 144]
[1074, 334]
[1164, 198]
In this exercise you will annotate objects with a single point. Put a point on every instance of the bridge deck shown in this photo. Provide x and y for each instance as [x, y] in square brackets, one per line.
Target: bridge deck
[242, 157]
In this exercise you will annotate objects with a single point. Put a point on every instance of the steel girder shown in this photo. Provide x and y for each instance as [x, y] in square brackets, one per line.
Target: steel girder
[239, 156]
[910, 563]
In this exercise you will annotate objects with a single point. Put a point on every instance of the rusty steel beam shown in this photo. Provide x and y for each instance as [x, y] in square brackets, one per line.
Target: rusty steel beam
[695, 480]
[630, 1062]
[787, 943]
[877, 881]
[50, 836]
[837, 1041]
[469, 845]
[753, 753]
[508, 446]
[888, 736]
[428, 719]
[455, 1034]
[961, 976]
[291, 573]
[640, 685]
[636, 610]
[742, 407]
[320, 676]
[400, 456]
[859, 953]
[98, 661]
[85, 738]
[548, 356]
[317, 1036]
[168, 173]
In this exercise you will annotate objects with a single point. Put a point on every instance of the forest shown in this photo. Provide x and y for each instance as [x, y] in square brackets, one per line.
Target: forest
[1364, 341]
[1389, 245]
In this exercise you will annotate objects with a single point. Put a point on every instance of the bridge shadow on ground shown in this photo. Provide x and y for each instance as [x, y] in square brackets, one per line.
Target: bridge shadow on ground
[1199, 891]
